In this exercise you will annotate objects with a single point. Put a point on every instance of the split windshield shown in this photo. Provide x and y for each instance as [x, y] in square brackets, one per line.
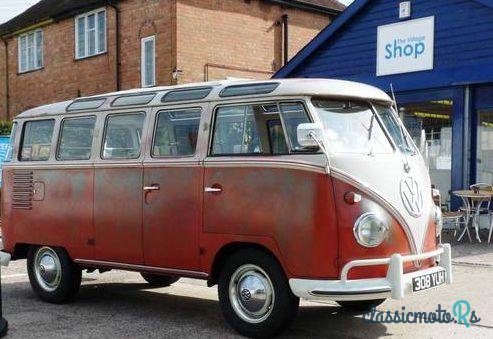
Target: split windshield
[395, 129]
[353, 127]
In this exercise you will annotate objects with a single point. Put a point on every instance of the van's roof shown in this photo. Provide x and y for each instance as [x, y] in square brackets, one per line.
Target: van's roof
[286, 87]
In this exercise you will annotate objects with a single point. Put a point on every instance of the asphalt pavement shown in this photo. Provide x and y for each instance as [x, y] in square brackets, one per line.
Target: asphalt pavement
[120, 304]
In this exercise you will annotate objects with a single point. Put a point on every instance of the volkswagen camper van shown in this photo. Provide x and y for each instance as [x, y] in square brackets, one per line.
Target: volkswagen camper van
[273, 190]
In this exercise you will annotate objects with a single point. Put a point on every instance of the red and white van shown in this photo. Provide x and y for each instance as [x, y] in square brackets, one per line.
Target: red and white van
[274, 190]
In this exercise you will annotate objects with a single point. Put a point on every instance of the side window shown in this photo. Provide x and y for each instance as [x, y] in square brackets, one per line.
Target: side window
[277, 138]
[176, 133]
[249, 130]
[122, 136]
[235, 131]
[293, 115]
[76, 138]
[10, 148]
[36, 140]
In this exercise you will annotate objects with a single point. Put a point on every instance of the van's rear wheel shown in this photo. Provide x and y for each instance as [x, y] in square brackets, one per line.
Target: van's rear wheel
[52, 274]
[254, 294]
[159, 280]
[361, 305]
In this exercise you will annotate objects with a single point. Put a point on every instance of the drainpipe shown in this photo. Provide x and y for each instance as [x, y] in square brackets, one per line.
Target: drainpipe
[285, 36]
[7, 114]
[117, 43]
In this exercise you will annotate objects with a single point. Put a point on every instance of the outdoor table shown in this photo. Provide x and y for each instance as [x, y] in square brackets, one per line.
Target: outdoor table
[472, 204]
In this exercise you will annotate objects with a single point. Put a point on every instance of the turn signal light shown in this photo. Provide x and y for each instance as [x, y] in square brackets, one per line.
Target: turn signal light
[352, 198]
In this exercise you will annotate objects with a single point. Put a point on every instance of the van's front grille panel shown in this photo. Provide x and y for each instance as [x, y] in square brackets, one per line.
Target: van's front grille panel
[22, 197]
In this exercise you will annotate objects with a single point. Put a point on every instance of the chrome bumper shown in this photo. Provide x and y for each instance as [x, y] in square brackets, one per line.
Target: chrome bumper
[395, 285]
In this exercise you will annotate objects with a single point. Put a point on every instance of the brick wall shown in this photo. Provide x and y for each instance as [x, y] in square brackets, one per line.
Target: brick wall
[140, 19]
[217, 39]
[3, 90]
[204, 39]
[62, 77]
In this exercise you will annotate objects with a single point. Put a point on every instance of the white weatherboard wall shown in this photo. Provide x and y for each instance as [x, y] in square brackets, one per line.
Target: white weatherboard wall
[406, 46]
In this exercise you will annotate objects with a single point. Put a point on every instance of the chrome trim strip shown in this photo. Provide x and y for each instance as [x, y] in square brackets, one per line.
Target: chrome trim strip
[142, 268]
[47, 166]
[105, 165]
[385, 261]
[335, 293]
[309, 167]
[172, 164]
[343, 176]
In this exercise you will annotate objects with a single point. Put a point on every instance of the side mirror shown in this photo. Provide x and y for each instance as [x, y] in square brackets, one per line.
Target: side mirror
[308, 134]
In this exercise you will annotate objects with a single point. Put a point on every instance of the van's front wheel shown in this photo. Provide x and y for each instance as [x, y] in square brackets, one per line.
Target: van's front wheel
[254, 294]
[52, 274]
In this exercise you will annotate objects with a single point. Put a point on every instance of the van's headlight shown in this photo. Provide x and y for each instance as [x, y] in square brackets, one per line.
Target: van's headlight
[370, 230]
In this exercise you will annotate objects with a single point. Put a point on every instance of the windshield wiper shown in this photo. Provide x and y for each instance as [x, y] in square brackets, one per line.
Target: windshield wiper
[370, 133]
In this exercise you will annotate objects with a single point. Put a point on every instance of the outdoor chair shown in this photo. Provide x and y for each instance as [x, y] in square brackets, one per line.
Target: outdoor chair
[456, 218]
[491, 229]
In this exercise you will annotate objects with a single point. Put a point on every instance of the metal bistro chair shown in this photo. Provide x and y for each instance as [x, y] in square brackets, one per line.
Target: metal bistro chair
[457, 218]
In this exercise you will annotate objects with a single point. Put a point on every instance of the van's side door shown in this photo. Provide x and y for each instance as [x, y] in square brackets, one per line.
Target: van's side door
[173, 177]
[257, 187]
[118, 188]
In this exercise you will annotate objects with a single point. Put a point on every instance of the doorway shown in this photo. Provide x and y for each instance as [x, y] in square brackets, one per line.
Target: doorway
[430, 124]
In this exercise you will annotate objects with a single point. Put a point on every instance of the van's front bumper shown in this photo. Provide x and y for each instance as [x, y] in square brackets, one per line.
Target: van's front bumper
[395, 285]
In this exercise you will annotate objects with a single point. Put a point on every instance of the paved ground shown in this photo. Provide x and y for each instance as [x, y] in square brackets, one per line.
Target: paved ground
[119, 304]
[472, 253]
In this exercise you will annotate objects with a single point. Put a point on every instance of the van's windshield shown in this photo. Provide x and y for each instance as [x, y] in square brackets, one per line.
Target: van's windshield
[395, 129]
[353, 127]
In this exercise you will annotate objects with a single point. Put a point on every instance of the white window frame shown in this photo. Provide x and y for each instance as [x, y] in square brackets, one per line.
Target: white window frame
[35, 53]
[143, 61]
[86, 33]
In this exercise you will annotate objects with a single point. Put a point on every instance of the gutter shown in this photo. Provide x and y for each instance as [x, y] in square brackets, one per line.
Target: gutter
[307, 6]
[27, 29]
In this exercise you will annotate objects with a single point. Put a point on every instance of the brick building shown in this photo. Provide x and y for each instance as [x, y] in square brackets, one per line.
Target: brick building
[57, 50]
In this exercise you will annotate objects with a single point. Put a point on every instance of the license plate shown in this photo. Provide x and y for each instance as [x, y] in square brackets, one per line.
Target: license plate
[427, 281]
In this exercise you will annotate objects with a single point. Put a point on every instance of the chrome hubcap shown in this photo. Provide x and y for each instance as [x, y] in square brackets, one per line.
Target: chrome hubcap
[251, 293]
[47, 268]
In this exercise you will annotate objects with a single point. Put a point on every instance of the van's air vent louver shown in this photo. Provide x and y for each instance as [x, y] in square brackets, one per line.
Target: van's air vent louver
[23, 190]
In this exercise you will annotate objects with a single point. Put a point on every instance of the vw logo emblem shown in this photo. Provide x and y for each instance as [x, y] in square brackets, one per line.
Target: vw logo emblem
[246, 295]
[411, 196]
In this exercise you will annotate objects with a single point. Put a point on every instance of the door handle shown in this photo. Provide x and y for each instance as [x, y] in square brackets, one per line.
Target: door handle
[154, 187]
[213, 190]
